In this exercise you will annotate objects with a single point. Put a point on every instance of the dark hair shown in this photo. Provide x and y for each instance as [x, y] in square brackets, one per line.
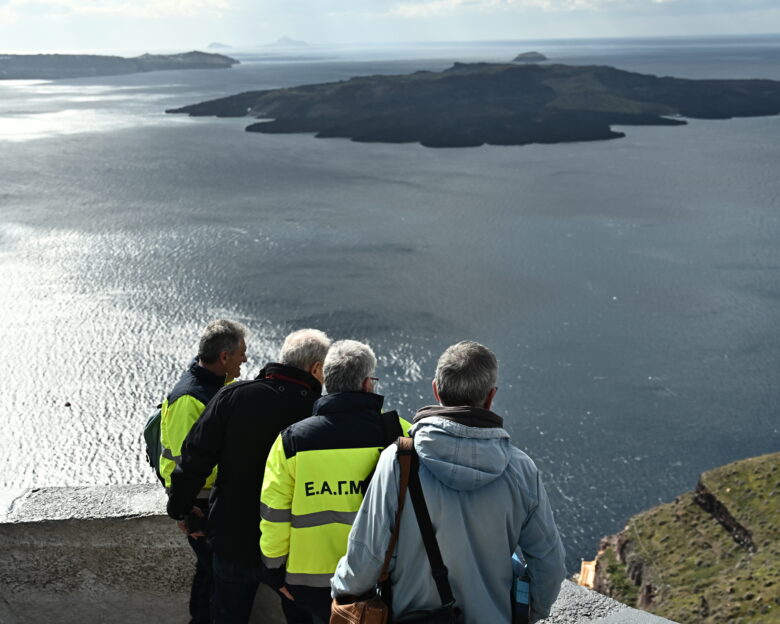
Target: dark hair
[465, 374]
[220, 335]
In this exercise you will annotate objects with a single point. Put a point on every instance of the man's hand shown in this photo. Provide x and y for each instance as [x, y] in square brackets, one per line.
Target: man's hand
[193, 523]
[286, 592]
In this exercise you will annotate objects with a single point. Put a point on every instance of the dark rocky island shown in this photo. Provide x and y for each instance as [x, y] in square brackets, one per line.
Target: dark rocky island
[711, 556]
[499, 104]
[54, 66]
[530, 57]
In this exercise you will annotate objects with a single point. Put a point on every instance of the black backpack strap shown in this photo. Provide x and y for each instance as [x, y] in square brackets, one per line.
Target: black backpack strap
[429, 535]
[393, 429]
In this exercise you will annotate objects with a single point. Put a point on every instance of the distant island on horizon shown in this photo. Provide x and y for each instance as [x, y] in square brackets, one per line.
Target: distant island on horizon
[530, 57]
[58, 66]
[473, 104]
[287, 42]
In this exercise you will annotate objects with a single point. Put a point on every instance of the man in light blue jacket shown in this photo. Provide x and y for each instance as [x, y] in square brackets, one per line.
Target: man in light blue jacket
[485, 499]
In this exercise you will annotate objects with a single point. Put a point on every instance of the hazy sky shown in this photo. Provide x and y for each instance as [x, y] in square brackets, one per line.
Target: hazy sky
[31, 25]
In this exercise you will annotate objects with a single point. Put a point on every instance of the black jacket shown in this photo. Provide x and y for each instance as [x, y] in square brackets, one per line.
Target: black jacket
[236, 432]
[343, 420]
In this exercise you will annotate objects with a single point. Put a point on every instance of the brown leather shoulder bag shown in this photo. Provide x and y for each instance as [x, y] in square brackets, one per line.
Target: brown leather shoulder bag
[371, 608]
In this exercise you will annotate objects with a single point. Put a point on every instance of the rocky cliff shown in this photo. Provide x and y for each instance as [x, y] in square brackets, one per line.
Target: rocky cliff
[713, 555]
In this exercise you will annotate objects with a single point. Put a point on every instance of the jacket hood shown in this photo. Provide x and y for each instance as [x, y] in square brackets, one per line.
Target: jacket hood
[463, 457]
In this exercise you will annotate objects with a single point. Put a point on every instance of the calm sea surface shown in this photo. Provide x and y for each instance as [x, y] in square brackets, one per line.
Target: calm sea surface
[630, 288]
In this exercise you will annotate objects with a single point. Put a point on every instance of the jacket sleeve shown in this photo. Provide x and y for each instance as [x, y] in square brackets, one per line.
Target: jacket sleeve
[176, 421]
[199, 455]
[276, 506]
[358, 570]
[544, 555]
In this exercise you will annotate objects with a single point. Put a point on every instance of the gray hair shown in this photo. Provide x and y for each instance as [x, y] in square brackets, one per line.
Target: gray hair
[348, 363]
[303, 348]
[465, 374]
[220, 335]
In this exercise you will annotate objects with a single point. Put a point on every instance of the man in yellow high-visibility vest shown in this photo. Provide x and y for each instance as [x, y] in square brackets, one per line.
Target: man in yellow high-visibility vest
[221, 352]
[316, 476]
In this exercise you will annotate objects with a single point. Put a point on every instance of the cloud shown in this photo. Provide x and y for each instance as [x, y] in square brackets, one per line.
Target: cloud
[436, 8]
[13, 9]
[425, 9]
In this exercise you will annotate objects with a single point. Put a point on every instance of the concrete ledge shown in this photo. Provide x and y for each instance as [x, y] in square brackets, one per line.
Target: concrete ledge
[98, 554]
[109, 554]
[581, 605]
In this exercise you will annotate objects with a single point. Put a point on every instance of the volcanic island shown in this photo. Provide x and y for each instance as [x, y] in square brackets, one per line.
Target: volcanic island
[472, 104]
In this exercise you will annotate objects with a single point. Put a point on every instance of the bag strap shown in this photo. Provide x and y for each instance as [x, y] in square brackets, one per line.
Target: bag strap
[392, 425]
[404, 456]
[438, 568]
[393, 431]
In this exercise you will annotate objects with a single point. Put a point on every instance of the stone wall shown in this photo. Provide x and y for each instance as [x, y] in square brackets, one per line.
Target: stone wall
[96, 554]
[78, 555]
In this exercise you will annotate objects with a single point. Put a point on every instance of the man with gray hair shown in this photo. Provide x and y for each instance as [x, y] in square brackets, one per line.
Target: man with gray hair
[236, 432]
[221, 352]
[316, 476]
[485, 498]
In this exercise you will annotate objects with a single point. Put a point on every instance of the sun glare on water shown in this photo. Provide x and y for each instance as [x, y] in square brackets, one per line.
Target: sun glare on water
[31, 110]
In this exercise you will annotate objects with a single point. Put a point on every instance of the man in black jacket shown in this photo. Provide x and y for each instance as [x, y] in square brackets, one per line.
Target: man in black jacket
[236, 432]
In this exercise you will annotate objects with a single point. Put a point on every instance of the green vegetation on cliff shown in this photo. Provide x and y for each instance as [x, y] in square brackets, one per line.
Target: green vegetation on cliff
[498, 104]
[712, 555]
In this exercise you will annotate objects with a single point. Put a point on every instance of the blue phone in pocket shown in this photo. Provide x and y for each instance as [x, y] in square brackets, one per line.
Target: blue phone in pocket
[520, 593]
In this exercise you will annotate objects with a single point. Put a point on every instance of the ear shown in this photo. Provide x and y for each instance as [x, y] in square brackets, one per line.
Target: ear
[435, 391]
[315, 370]
[489, 398]
[367, 385]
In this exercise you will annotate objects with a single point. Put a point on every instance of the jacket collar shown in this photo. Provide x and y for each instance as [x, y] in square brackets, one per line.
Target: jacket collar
[281, 372]
[463, 414]
[344, 402]
[205, 376]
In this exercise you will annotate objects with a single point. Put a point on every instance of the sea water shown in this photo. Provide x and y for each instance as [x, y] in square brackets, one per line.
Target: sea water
[630, 288]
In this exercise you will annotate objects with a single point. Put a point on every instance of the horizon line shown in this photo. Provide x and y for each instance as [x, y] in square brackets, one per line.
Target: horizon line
[396, 43]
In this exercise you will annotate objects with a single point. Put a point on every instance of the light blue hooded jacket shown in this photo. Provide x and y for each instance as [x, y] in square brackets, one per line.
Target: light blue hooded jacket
[485, 498]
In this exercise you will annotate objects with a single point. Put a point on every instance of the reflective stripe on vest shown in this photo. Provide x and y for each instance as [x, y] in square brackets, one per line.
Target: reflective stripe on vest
[168, 454]
[205, 493]
[318, 518]
[274, 515]
[307, 521]
[311, 580]
[274, 562]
